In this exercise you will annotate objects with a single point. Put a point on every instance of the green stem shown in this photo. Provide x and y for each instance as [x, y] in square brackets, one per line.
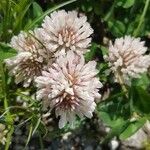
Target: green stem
[141, 18]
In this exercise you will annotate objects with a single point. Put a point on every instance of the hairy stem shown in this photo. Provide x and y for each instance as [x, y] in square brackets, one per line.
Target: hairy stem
[121, 81]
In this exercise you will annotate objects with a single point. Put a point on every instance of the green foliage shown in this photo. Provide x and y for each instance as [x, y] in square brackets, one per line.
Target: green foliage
[140, 100]
[117, 28]
[18, 15]
[143, 82]
[126, 115]
[37, 10]
[12, 20]
[6, 51]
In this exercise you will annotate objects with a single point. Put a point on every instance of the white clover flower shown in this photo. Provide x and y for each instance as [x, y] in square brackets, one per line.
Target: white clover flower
[70, 87]
[127, 57]
[29, 61]
[64, 31]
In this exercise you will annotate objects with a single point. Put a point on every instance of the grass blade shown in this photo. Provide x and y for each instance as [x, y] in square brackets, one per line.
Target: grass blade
[29, 136]
[37, 125]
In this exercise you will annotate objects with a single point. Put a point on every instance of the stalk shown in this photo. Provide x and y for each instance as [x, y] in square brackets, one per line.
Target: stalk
[122, 82]
[141, 18]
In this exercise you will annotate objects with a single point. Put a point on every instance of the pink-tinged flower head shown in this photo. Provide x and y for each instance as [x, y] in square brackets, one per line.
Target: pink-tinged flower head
[29, 61]
[64, 31]
[70, 87]
[126, 56]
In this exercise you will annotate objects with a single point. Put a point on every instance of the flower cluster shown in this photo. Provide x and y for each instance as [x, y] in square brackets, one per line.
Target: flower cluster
[52, 56]
[127, 58]
[70, 86]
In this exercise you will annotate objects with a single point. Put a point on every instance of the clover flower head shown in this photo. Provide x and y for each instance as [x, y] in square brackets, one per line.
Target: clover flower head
[70, 87]
[64, 31]
[29, 61]
[127, 56]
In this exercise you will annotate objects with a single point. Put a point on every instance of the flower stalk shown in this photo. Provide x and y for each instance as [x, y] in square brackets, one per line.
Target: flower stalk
[120, 79]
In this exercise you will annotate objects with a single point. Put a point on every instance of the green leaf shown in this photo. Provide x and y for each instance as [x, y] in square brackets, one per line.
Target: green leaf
[116, 27]
[36, 125]
[116, 130]
[143, 81]
[130, 27]
[6, 51]
[132, 128]
[29, 135]
[128, 3]
[140, 99]
[42, 128]
[109, 121]
[114, 111]
[37, 10]
[125, 3]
